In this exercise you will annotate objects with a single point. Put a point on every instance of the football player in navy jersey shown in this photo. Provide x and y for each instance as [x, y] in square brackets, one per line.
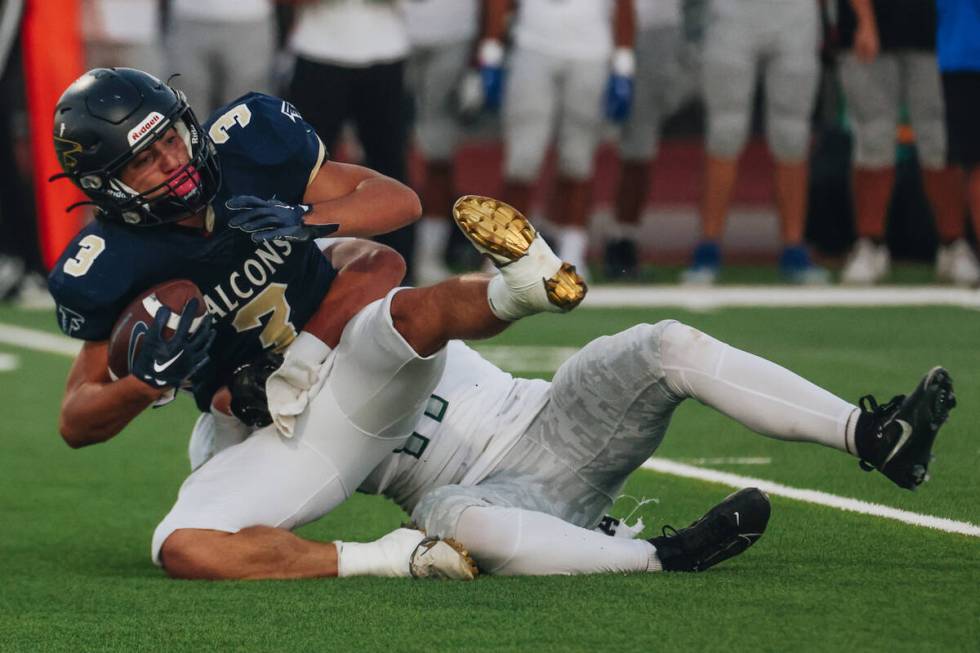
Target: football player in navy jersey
[235, 205]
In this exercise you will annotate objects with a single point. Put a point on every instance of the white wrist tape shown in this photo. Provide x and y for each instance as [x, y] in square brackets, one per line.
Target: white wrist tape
[624, 62]
[491, 53]
[308, 347]
[289, 388]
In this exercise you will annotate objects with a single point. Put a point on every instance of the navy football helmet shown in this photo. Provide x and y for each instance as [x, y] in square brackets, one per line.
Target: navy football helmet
[109, 115]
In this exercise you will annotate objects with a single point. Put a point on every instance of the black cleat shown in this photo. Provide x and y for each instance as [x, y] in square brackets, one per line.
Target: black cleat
[725, 531]
[899, 441]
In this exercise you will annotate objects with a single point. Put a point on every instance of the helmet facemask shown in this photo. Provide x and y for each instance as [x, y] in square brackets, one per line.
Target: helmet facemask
[185, 193]
[105, 120]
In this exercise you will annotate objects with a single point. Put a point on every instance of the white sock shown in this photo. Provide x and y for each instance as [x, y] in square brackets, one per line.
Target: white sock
[625, 231]
[388, 556]
[431, 238]
[516, 542]
[573, 242]
[517, 290]
[765, 397]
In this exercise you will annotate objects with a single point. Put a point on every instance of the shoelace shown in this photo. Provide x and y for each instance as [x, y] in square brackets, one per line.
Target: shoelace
[880, 414]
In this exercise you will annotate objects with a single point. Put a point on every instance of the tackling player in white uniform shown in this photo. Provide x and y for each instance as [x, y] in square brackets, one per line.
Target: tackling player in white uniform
[521, 471]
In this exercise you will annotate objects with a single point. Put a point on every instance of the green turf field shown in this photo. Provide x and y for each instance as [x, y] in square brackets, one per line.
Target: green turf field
[75, 573]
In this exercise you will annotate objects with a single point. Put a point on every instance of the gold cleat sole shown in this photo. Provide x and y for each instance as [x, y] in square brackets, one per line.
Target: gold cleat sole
[474, 571]
[566, 289]
[494, 227]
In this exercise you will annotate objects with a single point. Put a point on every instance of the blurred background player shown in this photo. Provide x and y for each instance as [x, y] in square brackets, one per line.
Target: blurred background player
[441, 33]
[21, 269]
[222, 49]
[958, 49]
[350, 66]
[890, 62]
[662, 84]
[775, 40]
[564, 54]
[124, 33]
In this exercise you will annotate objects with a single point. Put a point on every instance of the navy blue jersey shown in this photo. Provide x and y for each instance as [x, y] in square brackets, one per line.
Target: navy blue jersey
[260, 296]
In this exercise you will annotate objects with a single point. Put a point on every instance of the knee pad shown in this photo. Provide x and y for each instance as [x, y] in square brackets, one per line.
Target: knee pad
[437, 139]
[439, 509]
[685, 350]
[523, 159]
[874, 144]
[576, 163]
[788, 138]
[727, 132]
[930, 143]
[639, 145]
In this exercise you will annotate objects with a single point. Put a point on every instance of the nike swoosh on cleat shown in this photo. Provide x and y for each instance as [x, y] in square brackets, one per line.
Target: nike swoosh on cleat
[160, 367]
[906, 434]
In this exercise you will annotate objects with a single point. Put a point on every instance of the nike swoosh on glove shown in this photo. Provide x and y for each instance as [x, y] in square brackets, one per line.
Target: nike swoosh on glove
[163, 363]
[290, 388]
[274, 219]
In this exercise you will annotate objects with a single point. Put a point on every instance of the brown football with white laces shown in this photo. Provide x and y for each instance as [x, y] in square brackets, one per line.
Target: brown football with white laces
[136, 319]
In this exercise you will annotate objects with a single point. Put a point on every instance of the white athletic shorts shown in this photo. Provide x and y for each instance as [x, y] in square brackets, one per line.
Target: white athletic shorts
[375, 391]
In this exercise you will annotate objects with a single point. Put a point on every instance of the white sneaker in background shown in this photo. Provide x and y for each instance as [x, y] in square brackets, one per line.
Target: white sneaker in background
[867, 264]
[33, 293]
[11, 273]
[956, 263]
[573, 244]
[431, 238]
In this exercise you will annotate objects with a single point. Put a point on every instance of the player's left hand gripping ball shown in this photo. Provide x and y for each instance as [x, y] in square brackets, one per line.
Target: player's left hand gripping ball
[167, 362]
[274, 219]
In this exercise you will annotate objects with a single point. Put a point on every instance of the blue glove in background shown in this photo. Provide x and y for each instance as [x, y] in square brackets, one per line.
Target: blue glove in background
[619, 97]
[493, 86]
[163, 363]
[274, 220]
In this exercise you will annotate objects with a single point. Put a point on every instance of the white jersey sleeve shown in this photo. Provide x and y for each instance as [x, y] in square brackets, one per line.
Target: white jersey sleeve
[475, 415]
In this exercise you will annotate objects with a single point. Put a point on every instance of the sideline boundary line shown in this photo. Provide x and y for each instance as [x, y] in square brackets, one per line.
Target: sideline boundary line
[56, 344]
[700, 298]
[664, 466]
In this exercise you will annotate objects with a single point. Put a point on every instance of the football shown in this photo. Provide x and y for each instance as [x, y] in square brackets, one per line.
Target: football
[127, 334]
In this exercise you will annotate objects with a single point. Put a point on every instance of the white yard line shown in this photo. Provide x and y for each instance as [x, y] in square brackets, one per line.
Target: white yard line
[38, 340]
[732, 460]
[664, 466]
[55, 344]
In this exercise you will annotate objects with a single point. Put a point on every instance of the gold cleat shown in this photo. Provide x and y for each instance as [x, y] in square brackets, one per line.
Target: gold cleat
[536, 280]
[442, 559]
[496, 229]
[566, 289]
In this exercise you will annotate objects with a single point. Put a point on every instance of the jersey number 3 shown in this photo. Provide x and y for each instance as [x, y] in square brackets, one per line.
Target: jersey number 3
[239, 115]
[89, 249]
[278, 331]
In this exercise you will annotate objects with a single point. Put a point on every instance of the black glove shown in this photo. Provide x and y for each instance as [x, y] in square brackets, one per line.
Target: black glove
[163, 363]
[247, 387]
[274, 220]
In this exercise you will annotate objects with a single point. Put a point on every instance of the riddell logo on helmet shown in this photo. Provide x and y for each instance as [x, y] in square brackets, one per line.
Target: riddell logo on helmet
[151, 121]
